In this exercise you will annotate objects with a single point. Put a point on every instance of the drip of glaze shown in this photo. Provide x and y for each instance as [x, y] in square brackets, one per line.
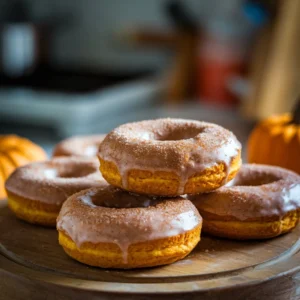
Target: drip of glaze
[277, 203]
[184, 147]
[257, 191]
[290, 196]
[87, 199]
[224, 154]
[154, 228]
[287, 200]
[124, 246]
[186, 220]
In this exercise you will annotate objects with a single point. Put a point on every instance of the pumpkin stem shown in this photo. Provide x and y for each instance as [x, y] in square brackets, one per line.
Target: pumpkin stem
[296, 113]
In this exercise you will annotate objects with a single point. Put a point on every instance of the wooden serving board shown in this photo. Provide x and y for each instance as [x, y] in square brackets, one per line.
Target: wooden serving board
[33, 266]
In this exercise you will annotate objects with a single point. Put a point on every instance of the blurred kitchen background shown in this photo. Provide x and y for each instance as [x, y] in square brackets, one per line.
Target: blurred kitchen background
[70, 67]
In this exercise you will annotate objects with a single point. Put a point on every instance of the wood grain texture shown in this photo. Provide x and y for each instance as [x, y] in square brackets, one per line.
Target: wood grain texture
[34, 266]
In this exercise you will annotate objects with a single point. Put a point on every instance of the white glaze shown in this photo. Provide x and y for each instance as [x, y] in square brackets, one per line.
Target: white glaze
[87, 199]
[86, 222]
[43, 181]
[195, 159]
[91, 150]
[258, 191]
[50, 173]
[224, 154]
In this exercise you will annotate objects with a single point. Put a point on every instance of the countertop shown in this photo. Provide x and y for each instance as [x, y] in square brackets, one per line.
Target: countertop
[226, 117]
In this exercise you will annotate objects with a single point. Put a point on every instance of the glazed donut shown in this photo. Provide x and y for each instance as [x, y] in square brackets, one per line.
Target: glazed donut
[79, 146]
[261, 202]
[169, 157]
[37, 191]
[110, 228]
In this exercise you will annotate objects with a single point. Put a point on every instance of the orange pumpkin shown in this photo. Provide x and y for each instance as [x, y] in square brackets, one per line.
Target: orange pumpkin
[15, 152]
[276, 141]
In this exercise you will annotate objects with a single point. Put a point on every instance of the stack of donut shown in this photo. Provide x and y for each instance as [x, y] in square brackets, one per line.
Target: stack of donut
[160, 176]
[142, 218]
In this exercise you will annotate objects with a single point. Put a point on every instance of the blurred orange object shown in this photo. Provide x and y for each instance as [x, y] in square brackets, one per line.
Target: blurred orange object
[212, 86]
[15, 152]
[221, 57]
[276, 141]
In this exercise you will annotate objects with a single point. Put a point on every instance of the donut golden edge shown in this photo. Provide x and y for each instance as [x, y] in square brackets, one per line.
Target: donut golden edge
[164, 183]
[34, 212]
[250, 230]
[145, 254]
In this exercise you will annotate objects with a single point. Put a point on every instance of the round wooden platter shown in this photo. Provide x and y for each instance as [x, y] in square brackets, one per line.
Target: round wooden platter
[33, 266]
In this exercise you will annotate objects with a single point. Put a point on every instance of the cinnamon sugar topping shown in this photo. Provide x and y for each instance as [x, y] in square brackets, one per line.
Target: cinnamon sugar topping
[109, 215]
[258, 191]
[55, 180]
[79, 146]
[174, 145]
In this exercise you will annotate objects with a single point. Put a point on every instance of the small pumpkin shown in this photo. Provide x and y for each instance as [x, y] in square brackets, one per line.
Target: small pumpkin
[276, 141]
[15, 152]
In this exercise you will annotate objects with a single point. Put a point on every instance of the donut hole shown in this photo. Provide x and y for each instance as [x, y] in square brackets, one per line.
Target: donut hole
[114, 198]
[180, 133]
[75, 172]
[256, 180]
